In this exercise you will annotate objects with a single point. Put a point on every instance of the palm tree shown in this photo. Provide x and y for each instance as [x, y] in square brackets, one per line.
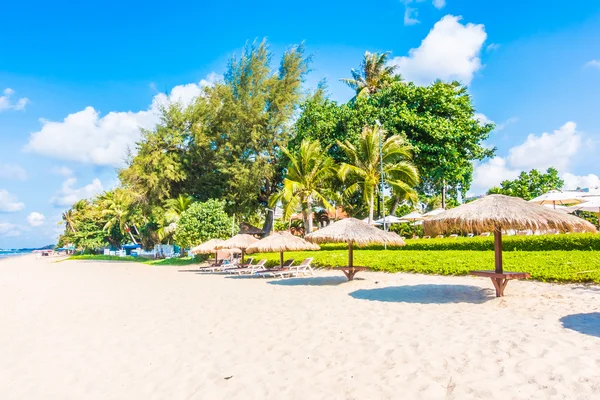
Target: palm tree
[170, 215]
[69, 219]
[175, 207]
[363, 172]
[373, 75]
[116, 205]
[307, 173]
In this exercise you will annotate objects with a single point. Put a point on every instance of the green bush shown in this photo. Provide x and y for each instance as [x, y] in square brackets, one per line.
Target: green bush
[579, 241]
[583, 242]
[202, 222]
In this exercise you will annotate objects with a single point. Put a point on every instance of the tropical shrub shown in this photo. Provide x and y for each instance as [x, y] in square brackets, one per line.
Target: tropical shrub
[201, 222]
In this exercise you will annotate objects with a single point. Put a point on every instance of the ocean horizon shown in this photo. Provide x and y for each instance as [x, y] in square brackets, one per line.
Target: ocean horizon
[4, 253]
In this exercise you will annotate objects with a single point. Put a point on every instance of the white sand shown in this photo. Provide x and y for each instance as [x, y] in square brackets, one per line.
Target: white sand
[99, 330]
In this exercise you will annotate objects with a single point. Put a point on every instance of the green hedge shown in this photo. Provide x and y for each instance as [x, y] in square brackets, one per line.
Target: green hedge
[580, 241]
[557, 266]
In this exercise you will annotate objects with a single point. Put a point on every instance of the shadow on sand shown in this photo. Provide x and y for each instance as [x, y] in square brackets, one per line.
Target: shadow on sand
[588, 324]
[312, 281]
[427, 294]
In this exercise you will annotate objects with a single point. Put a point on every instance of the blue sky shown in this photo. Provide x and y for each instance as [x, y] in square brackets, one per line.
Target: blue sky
[77, 80]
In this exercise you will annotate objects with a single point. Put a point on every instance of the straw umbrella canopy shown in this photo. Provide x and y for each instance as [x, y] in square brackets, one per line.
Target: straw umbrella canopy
[354, 232]
[433, 213]
[281, 241]
[497, 212]
[556, 197]
[207, 248]
[240, 241]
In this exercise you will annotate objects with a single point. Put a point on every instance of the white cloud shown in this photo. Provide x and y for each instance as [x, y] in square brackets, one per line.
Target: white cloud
[593, 64]
[9, 203]
[573, 182]
[557, 149]
[439, 4]
[69, 195]
[63, 171]
[410, 16]
[411, 13]
[492, 173]
[483, 119]
[12, 171]
[492, 47]
[547, 150]
[501, 126]
[9, 230]
[36, 219]
[88, 137]
[449, 52]
[6, 102]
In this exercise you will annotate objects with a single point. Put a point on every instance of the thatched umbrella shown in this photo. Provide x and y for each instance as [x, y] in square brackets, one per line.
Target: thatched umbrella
[281, 241]
[240, 241]
[495, 213]
[353, 232]
[206, 247]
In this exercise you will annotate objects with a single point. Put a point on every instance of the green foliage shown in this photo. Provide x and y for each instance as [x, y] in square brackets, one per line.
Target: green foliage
[88, 227]
[202, 222]
[556, 266]
[438, 121]
[530, 184]
[227, 145]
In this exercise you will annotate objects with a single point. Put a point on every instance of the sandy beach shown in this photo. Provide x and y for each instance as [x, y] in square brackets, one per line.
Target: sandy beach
[106, 330]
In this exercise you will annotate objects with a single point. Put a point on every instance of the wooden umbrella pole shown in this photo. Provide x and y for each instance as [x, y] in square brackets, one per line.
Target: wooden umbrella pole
[281, 259]
[243, 251]
[350, 256]
[498, 249]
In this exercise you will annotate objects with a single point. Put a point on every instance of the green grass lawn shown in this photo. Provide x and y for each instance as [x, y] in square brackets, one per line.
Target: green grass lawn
[556, 266]
[149, 261]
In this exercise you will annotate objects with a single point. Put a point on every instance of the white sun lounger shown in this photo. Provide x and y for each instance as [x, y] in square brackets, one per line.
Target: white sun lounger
[304, 268]
[259, 266]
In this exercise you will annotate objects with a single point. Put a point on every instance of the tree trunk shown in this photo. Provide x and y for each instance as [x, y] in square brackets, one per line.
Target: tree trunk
[444, 194]
[308, 217]
[268, 225]
[498, 249]
[371, 208]
[395, 205]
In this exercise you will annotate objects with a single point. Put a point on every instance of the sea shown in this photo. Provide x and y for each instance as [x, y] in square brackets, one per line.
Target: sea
[13, 252]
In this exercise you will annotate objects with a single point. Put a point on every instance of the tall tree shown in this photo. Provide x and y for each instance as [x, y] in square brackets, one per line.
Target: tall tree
[305, 185]
[373, 75]
[363, 171]
[245, 122]
[530, 184]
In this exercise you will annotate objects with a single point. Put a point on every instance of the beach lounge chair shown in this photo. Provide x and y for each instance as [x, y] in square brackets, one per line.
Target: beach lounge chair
[222, 267]
[304, 268]
[286, 266]
[259, 266]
